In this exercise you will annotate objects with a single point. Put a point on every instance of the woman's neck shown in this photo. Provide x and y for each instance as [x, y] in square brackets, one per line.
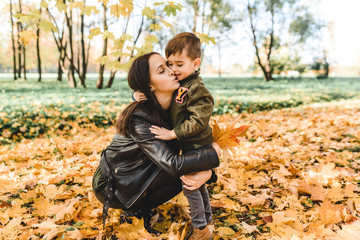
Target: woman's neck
[164, 100]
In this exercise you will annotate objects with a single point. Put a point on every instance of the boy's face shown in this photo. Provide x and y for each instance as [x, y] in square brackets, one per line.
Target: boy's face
[182, 65]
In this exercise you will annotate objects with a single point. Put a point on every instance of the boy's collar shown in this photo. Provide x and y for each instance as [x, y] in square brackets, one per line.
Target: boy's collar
[191, 76]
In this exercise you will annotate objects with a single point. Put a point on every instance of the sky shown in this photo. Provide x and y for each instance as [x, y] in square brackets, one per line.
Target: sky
[346, 17]
[344, 51]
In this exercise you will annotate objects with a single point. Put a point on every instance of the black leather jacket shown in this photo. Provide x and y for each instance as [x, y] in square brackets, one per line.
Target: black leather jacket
[131, 163]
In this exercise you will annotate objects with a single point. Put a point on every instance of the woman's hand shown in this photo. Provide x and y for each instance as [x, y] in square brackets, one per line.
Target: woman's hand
[195, 180]
[216, 147]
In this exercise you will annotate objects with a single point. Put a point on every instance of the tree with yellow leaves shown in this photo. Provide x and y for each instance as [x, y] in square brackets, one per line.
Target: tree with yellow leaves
[74, 24]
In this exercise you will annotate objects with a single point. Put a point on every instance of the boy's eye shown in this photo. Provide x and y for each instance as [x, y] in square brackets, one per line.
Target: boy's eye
[162, 71]
[180, 65]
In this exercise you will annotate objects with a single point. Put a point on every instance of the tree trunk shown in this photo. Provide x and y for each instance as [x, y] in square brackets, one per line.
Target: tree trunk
[19, 29]
[269, 69]
[24, 62]
[19, 51]
[100, 81]
[203, 19]
[60, 71]
[60, 46]
[71, 73]
[113, 73]
[38, 51]
[13, 41]
[77, 45]
[266, 69]
[219, 54]
[111, 79]
[83, 55]
[326, 66]
[195, 6]
[138, 34]
[23, 47]
[61, 60]
[268, 76]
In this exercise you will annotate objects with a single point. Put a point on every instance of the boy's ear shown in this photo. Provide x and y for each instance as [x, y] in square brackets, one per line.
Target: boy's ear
[197, 63]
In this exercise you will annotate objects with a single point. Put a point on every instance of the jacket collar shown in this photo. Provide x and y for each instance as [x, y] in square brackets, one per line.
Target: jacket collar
[190, 77]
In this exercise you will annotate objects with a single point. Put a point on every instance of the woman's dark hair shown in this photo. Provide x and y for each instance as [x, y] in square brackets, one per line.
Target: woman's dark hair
[139, 80]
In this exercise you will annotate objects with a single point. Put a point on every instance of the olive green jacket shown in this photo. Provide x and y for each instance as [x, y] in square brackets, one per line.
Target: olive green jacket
[191, 109]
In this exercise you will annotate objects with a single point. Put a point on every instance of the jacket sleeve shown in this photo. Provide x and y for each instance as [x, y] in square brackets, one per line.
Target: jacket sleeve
[200, 105]
[162, 155]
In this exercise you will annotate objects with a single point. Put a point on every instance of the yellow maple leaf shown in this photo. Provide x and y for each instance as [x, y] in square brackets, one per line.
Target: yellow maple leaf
[88, 10]
[155, 26]
[104, 1]
[225, 231]
[47, 26]
[60, 6]
[124, 8]
[108, 34]
[115, 10]
[132, 231]
[44, 4]
[227, 136]
[27, 36]
[148, 12]
[94, 32]
[11, 230]
[205, 38]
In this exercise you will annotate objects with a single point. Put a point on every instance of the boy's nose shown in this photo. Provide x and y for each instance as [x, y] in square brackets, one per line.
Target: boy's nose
[174, 67]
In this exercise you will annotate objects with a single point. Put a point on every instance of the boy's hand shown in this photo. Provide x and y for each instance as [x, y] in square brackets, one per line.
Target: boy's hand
[139, 96]
[162, 133]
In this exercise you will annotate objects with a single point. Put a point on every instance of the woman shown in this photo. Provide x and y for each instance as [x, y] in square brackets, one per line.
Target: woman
[138, 171]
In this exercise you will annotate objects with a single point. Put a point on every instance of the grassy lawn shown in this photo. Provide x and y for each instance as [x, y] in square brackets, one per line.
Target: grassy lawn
[233, 94]
[252, 94]
[48, 104]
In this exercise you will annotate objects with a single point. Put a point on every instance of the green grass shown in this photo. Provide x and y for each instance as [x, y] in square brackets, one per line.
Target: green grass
[227, 92]
[252, 94]
[20, 94]
[29, 108]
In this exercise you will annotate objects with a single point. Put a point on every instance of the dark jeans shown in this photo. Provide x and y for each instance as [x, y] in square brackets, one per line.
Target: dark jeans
[200, 208]
[163, 188]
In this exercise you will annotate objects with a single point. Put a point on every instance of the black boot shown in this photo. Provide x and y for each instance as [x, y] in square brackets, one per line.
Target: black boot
[139, 214]
[125, 216]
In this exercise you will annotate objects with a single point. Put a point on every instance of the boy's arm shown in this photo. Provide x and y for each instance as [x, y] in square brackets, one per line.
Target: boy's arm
[200, 105]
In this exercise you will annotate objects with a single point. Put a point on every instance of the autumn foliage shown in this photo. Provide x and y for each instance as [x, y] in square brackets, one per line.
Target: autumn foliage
[293, 175]
[227, 136]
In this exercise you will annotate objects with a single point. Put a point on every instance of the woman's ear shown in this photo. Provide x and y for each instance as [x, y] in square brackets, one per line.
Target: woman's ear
[152, 89]
[197, 63]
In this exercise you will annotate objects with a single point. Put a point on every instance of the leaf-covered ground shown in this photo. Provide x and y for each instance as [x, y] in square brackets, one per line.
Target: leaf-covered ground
[294, 176]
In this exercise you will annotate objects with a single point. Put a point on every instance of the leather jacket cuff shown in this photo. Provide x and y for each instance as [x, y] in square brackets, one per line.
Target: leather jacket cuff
[213, 177]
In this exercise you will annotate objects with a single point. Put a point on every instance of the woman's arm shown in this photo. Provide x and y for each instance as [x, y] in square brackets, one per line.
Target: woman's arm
[160, 153]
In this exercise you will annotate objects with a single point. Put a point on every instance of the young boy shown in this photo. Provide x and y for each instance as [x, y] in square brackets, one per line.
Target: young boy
[191, 109]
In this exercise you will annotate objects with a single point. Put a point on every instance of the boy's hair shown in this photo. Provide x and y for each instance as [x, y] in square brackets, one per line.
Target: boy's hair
[184, 41]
